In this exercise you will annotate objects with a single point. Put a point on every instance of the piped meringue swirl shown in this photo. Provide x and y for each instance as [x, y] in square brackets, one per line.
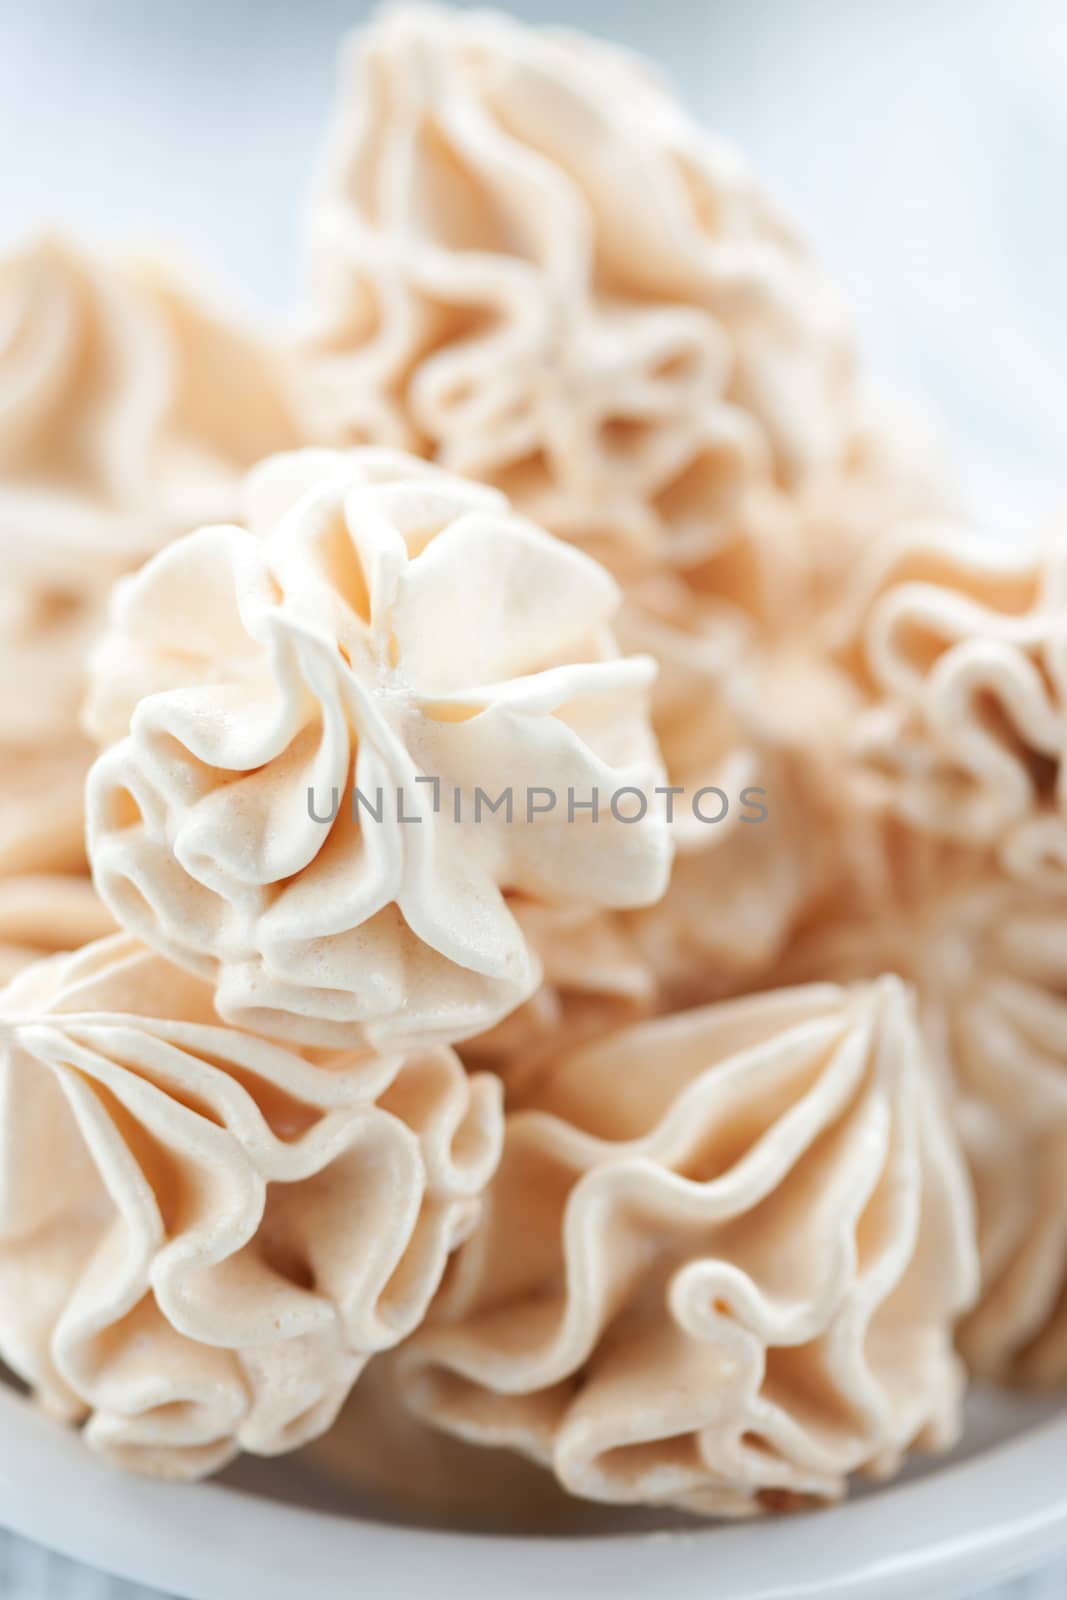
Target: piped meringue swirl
[394, 638]
[204, 1236]
[115, 434]
[530, 265]
[961, 644]
[987, 956]
[722, 1261]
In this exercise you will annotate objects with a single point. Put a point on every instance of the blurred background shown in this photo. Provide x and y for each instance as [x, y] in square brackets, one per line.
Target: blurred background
[922, 143]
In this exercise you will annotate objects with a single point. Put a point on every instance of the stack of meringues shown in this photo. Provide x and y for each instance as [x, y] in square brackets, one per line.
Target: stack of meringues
[695, 1157]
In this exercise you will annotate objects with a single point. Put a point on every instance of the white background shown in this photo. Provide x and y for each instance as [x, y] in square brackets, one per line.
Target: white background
[923, 143]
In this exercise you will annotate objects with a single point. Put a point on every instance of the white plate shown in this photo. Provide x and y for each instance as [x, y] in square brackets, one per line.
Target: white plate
[999, 1508]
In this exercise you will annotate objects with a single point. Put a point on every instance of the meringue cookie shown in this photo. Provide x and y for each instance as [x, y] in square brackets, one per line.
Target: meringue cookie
[736, 898]
[752, 700]
[739, 729]
[306, 713]
[47, 901]
[41, 808]
[129, 410]
[721, 1262]
[896, 464]
[961, 644]
[41, 913]
[986, 956]
[45, 637]
[747, 869]
[203, 1236]
[127, 405]
[529, 264]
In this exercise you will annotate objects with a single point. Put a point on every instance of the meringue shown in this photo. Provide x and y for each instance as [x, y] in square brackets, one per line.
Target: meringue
[741, 720]
[47, 900]
[950, 841]
[41, 913]
[305, 713]
[721, 1263]
[897, 470]
[129, 410]
[594, 979]
[45, 637]
[527, 263]
[986, 956]
[960, 644]
[204, 1236]
[115, 429]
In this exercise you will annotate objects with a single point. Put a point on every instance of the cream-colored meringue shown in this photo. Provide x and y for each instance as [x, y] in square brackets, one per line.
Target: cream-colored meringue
[387, 640]
[46, 898]
[129, 410]
[47, 901]
[41, 913]
[737, 897]
[41, 824]
[45, 637]
[741, 720]
[961, 644]
[528, 263]
[721, 1262]
[594, 979]
[986, 956]
[203, 1236]
[128, 406]
[751, 699]
[739, 886]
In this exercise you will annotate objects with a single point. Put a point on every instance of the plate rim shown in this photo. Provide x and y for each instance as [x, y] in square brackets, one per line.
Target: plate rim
[962, 1528]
